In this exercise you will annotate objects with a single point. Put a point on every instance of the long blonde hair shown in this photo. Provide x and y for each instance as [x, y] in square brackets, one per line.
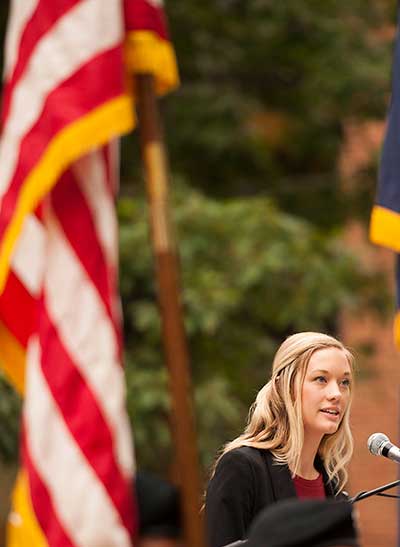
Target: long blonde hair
[275, 419]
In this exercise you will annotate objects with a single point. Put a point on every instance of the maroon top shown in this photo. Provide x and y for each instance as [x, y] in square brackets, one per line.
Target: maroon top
[309, 488]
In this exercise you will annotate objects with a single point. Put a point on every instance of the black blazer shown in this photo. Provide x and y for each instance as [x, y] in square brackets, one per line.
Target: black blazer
[245, 481]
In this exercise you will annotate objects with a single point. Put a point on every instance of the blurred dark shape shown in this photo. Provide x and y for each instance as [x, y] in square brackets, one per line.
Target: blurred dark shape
[305, 523]
[159, 511]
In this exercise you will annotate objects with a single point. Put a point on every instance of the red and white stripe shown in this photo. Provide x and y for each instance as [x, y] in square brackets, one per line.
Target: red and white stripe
[18, 302]
[65, 75]
[20, 14]
[60, 300]
[146, 15]
[61, 46]
[77, 442]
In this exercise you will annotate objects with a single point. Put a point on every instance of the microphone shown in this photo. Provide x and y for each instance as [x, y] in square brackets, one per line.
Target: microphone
[379, 445]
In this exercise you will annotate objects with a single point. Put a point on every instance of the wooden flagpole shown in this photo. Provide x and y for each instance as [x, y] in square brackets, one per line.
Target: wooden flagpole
[174, 339]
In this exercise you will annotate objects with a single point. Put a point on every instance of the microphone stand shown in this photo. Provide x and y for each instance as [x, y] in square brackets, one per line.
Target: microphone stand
[358, 497]
[376, 492]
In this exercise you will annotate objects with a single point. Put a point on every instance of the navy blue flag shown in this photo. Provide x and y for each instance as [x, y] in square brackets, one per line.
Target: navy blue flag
[385, 218]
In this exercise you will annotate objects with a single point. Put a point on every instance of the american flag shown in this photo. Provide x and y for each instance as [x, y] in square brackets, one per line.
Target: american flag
[64, 104]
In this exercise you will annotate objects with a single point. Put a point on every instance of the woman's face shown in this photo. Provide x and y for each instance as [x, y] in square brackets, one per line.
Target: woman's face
[325, 392]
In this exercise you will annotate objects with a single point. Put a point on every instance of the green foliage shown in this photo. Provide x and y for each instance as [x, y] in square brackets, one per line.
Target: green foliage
[250, 275]
[254, 134]
[10, 406]
[311, 64]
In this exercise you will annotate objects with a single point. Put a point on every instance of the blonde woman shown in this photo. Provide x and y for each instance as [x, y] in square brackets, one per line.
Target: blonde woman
[297, 441]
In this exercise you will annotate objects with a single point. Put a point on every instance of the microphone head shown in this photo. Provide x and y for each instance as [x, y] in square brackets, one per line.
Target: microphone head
[376, 442]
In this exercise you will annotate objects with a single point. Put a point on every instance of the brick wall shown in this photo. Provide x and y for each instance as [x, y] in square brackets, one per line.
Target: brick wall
[375, 409]
[376, 403]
